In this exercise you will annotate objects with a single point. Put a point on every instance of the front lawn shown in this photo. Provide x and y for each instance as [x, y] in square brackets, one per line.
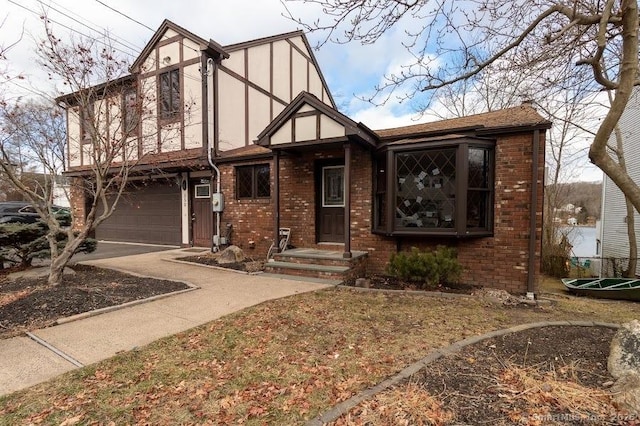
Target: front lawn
[281, 362]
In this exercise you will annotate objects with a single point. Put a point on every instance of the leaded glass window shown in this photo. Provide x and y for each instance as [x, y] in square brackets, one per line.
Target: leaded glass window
[253, 181]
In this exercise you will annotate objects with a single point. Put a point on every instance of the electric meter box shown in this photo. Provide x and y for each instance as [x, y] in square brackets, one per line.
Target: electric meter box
[217, 202]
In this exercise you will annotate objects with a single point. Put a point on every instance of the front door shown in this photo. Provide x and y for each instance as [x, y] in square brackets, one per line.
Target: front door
[201, 213]
[331, 204]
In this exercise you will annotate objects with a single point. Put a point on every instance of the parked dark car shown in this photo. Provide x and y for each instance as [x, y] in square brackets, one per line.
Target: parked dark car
[24, 212]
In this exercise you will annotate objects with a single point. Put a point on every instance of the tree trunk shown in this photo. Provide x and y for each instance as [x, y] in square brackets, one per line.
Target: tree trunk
[628, 74]
[55, 275]
[633, 242]
[60, 260]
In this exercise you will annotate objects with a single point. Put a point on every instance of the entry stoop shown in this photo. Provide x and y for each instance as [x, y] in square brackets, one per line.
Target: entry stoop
[314, 263]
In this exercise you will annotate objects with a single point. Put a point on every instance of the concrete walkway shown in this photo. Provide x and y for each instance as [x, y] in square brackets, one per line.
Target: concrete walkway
[25, 362]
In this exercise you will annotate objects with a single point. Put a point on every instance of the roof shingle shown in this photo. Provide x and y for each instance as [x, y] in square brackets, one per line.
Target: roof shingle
[520, 116]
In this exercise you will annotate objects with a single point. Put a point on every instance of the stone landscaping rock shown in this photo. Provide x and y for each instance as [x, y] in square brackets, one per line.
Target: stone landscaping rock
[624, 365]
[624, 357]
[498, 297]
[626, 393]
[232, 254]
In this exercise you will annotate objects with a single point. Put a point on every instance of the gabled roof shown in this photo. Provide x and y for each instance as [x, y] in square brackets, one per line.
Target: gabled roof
[285, 36]
[263, 40]
[352, 128]
[210, 46]
[521, 117]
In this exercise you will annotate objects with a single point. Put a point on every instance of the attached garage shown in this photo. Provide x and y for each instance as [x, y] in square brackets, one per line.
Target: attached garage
[148, 212]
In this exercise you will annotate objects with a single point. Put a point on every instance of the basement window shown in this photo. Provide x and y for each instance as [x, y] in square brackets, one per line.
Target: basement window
[439, 188]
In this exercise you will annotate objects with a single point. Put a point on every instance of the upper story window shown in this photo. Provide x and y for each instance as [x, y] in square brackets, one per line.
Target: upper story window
[253, 181]
[444, 189]
[130, 109]
[87, 123]
[169, 94]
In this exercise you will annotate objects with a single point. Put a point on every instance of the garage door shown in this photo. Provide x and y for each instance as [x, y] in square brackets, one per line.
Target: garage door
[145, 214]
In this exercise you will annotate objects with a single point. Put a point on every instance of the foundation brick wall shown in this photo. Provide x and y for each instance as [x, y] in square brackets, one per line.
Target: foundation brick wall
[77, 201]
[252, 220]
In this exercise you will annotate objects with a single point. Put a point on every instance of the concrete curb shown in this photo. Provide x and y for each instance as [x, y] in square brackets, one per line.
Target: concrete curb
[219, 268]
[344, 407]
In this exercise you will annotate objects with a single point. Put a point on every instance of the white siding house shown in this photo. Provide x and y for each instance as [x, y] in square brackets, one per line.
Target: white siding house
[613, 229]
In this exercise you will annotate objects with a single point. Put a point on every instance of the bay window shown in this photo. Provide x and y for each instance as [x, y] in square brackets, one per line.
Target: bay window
[442, 188]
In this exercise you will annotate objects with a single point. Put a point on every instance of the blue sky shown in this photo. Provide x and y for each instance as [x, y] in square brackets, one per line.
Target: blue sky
[351, 70]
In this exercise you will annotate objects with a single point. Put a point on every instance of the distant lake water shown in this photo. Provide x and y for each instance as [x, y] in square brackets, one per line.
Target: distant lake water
[583, 240]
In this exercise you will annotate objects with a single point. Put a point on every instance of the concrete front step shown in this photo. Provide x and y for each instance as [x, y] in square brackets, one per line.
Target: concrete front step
[318, 263]
[306, 269]
[317, 258]
[302, 278]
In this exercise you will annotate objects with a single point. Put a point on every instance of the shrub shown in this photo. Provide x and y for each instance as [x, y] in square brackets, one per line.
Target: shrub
[427, 268]
[21, 243]
[555, 261]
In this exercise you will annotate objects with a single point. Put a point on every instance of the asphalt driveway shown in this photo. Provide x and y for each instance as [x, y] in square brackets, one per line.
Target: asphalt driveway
[109, 249]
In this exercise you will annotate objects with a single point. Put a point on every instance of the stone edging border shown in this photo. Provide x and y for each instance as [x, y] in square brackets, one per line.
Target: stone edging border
[106, 309]
[346, 406]
[219, 268]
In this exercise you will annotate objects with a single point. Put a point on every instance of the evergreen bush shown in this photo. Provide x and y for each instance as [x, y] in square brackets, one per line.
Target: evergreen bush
[428, 269]
[20, 243]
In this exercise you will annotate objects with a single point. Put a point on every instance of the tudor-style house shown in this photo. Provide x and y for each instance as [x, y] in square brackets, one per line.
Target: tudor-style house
[240, 141]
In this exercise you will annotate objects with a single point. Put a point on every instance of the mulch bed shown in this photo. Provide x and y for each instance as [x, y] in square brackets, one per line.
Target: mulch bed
[28, 303]
[540, 376]
[470, 384]
[386, 282]
[249, 265]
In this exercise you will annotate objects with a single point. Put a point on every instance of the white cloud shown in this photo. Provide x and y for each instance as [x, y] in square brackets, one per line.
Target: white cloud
[350, 69]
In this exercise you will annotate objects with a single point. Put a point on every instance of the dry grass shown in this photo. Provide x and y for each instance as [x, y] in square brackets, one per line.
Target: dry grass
[281, 362]
[405, 405]
[547, 392]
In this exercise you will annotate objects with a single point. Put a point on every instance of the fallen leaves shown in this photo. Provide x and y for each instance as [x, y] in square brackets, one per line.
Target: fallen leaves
[545, 392]
[281, 362]
[405, 405]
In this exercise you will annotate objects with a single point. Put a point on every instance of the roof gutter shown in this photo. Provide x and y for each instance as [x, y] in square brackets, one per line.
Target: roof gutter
[531, 284]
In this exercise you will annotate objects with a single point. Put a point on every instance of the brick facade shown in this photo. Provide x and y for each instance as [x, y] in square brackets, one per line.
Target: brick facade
[77, 200]
[500, 261]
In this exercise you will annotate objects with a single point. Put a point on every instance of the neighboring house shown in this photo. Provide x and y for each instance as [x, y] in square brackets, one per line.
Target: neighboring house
[288, 159]
[613, 236]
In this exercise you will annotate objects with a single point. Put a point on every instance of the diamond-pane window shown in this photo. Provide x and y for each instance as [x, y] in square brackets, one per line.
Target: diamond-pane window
[263, 183]
[426, 185]
[253, 181]
[443, 189]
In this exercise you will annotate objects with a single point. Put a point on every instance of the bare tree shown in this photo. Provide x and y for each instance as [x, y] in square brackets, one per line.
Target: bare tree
[108, 137]
[33, 147]
[550, 40]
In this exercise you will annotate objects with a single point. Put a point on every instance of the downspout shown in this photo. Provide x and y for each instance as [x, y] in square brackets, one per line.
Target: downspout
[532, 215]
[215, 244]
